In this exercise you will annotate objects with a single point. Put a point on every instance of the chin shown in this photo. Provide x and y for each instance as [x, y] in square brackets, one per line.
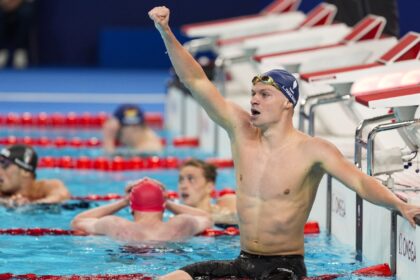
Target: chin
[256, 123]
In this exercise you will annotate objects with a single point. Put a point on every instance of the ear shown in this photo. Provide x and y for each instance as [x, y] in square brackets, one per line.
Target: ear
[26, 174]
[288, 105]
[209, 187]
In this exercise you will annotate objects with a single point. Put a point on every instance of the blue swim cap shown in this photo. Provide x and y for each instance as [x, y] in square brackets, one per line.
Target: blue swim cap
[286, 82]
[129, 114]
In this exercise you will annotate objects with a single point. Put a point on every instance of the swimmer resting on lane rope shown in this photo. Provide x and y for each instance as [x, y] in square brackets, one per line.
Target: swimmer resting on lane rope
[147, 203]
[18, 184]
[196, 182]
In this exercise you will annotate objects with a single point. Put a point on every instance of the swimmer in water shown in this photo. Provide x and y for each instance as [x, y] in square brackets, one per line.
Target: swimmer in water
[18, 184]
[278, 169]
[147, 203]
[196, 181]
[128, 127]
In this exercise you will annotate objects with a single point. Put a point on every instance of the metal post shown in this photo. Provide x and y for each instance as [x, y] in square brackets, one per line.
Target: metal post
[370, 171]
[359, 228]
[319, 102]
[308, 100]
[359, 143]
[329, 203]
[393, 243]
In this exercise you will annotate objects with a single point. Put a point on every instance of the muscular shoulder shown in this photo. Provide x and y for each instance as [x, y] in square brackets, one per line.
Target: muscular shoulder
[48, 184]
[319, 149]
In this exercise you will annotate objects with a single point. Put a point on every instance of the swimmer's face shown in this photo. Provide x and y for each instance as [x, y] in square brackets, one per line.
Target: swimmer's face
[193, 187]
[129, 135]
[10, 179]
[267, 104]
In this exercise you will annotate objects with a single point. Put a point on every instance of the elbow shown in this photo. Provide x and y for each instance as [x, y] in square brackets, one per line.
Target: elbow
[75, 224]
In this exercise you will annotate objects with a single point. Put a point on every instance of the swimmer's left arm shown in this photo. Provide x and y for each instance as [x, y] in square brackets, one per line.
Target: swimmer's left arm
[54, 191]
[185, 209]
[334, 163]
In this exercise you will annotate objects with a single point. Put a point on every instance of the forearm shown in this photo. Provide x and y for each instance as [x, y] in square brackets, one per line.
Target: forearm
[186, 67]
[375, 192]
[184, 209]
[104, 210]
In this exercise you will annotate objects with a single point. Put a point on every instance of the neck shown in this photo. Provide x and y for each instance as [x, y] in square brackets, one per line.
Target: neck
[205, 204]
[278, 132]
[148, 217]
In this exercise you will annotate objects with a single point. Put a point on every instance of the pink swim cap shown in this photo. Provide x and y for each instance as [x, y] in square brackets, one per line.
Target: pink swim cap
[147, 196]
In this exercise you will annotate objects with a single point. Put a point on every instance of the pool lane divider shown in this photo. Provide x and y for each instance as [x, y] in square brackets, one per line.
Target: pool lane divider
[119, 163]
[79, 143]
[310, 228]
[31, 276]
[69, 119]
[168, 194]
[380, 270]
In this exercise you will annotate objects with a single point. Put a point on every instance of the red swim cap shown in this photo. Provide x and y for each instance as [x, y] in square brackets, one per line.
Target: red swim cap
[147, 196]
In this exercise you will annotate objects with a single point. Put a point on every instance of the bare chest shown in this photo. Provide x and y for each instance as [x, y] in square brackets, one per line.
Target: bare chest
[272, 174]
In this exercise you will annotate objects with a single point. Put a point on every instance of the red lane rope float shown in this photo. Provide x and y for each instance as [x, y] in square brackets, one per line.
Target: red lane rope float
[36, 231]
[31, 276]
[230, 231]
[96, 197]
[380, 270]
[76, 142]
[119, 163]
[169, 194]
[70, 119]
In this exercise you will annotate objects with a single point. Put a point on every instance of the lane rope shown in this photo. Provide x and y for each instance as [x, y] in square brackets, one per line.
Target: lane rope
[69, 119]
[310, 228]
[119, 163]
[380, 270]
[79, 143]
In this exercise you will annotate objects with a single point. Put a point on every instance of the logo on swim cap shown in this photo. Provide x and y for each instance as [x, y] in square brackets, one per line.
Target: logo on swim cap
[287, 83]
[22, 155]
[129, 114]
[147, 196]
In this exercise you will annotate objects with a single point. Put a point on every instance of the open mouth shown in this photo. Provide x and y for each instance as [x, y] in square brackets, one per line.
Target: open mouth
[184, 196]
[255, 112]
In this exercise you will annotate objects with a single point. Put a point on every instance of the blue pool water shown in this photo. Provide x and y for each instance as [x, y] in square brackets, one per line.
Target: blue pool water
[85, 134]
[67, 255]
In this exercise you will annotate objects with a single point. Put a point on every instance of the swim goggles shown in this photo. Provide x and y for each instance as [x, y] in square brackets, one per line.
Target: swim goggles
[267, 80]
[5, 162]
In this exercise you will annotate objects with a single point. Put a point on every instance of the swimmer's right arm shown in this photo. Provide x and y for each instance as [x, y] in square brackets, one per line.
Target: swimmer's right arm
[87, 220]
[191, 73]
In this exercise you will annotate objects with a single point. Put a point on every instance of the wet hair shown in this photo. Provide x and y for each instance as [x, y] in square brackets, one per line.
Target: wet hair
[209, 170]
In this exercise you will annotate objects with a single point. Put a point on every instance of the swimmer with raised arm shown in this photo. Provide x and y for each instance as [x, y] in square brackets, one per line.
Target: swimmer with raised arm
[278, 169]
[147, 203]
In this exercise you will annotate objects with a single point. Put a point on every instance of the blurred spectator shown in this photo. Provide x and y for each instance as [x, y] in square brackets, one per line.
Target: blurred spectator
[18, 184]
[352, 11]
[128, 128]
[15, 25]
